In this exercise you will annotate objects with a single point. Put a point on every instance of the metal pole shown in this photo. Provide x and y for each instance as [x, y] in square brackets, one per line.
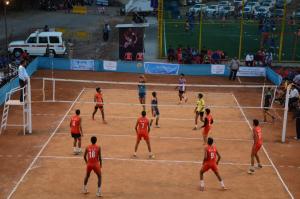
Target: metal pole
[5, 29]
[282, 32]
[286, 109]
[241, 30]
[200, 31]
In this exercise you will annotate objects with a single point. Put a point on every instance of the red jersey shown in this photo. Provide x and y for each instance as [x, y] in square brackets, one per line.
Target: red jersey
[93, 154]
[143, 123]
[211, 153]
[99, 98]
[75, 124]
[258, 133]
[209, 120]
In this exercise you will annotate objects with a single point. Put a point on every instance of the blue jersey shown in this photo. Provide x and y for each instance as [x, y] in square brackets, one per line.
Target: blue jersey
[142, 87]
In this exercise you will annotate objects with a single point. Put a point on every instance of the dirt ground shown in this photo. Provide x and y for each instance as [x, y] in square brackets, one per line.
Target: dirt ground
[57, 173]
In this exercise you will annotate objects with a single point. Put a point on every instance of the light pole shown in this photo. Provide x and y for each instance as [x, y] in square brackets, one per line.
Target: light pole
[6, 3]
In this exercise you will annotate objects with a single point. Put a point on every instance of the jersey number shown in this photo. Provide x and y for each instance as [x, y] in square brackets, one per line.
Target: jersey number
[143, 125]
[92, 154]
[212, 156]
[73, 123]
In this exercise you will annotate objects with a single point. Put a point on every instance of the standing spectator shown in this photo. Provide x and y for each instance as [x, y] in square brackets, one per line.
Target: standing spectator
[248, 59]
[106, 31]
[293, 97]
[68, 6]
[234, 67]
[297, 117]
[171, 54]
[186, 26]
[23, 77]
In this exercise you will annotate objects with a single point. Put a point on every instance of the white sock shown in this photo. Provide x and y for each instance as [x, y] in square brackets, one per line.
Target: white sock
[85, 187]
[99, 189]
[222, 183]
[201, 183]
[74, 149]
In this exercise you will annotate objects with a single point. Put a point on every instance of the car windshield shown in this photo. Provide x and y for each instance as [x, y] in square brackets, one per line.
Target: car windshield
[246, 9]
[261, 9]
[226, 8]
[212, 7]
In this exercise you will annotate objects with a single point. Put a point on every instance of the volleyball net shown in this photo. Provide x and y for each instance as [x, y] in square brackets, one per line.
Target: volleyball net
[246, 100]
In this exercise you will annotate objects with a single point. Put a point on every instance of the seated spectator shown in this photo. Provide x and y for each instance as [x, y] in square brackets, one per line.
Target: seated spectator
[215, 58]
[25, 56]
[171, 54]
[186, 26]
[179, 55]
[296, 79]
[269, 59]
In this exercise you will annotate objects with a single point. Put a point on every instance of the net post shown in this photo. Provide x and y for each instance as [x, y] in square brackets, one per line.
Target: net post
[29, 113]
[53, 90]
[43, 89]
[286, 109]
[262, 97]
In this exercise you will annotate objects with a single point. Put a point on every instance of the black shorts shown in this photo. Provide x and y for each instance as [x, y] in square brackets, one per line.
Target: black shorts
[76, 135]
[181, 92]
[99, 107]
[155, 112]
[142, 95]
[200, 113]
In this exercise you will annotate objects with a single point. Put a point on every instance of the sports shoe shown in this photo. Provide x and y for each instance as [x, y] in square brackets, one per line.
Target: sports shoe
[259, 166]
[85, 191]
[201, 188]
[157, 126]
[134, 155]
[251, 171]
[99, 194]
[195, 128]
[151, 156]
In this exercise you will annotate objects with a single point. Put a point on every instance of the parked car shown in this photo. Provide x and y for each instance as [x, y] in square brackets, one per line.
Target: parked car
[197, 8]
[226, 11]
[212, 10]
[221, 4]
[267, 4]
[252, 5]
[36, 44]
[261, 12]
[271, 2]
[279, 4]
[192, 2]
[239, 2]
[277, 13]
[296, 14]
[248, 12]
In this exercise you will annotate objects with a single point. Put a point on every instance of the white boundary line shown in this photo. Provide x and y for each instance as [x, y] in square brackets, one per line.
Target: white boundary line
[43, 148]
[269, 158]
[160, 137]
[150, 160]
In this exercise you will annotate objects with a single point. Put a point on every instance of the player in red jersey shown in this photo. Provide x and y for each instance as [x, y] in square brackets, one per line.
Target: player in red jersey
[257, 138]
[98, 98]
[210, 162]
[93, 160]
[208, 121]
[76, 131]
[142, 129]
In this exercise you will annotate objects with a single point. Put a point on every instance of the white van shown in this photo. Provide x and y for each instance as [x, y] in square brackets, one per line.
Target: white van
[36, 44]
